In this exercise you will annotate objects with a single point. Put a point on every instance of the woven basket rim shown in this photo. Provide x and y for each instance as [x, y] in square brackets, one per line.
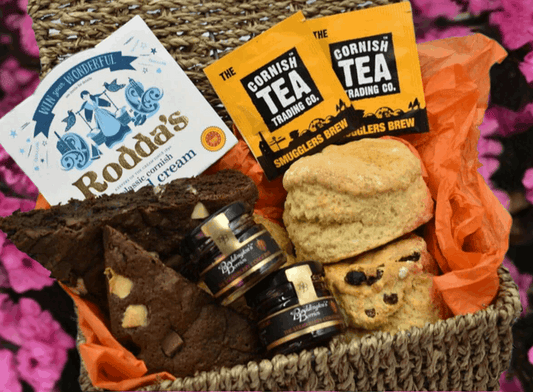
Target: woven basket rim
[506, 300]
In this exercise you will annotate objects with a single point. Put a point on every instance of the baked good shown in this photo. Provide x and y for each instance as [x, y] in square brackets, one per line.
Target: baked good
[387, 288]
[67, 239]
[280, 236]
[174, 325]
[419, 308]
[352, 198]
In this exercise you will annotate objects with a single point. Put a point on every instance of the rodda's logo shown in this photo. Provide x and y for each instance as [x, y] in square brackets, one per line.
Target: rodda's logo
[213, 138]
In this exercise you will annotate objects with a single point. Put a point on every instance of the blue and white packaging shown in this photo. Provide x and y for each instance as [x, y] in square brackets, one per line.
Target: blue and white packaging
[112, 119]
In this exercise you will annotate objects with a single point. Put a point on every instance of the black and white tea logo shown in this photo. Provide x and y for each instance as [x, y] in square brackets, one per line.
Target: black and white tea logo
[282, 90]
[366, 66]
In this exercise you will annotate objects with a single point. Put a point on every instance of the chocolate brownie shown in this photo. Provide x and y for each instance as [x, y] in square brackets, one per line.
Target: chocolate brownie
[67, 239]
[174, 325]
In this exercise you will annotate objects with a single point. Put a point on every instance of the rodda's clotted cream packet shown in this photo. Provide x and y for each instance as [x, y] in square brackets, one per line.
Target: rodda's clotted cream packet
[283, 96]
[112, 119]
[374, 55]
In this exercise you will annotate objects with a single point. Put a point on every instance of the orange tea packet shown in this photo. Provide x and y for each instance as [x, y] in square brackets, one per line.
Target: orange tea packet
[282, 94]
[374, 55]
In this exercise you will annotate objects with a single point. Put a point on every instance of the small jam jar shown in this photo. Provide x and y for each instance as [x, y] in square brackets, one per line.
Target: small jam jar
[229, 253]
[297, 310]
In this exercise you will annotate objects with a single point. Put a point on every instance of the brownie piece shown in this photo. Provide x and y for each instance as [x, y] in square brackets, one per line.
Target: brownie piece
[174, 325]
[68, 239]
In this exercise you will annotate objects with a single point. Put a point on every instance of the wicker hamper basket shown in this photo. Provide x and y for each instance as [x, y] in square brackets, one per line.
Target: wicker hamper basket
[462, 353]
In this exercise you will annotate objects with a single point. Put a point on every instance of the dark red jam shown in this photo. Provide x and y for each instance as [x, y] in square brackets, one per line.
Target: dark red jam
[229, 253]
[297, 310]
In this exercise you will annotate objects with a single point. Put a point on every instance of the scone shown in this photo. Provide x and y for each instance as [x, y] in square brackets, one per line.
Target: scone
[349, 199]
[280, 236]
[376, 288]
[168, 321]
[418, 310]
[67, 239]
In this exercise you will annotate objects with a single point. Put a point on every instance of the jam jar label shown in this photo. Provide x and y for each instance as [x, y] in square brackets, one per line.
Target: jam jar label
[230, 271]
[299, 320]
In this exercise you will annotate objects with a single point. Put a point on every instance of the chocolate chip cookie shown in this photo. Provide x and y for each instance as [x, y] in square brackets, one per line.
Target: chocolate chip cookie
[374, 287]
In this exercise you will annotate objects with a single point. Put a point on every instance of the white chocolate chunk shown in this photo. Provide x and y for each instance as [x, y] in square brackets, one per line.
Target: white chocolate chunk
[192, 189]
[135, 316]
[159, 189]
[118, 285]
[199, 212]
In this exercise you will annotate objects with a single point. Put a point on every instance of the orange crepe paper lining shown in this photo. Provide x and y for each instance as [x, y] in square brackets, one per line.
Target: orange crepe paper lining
[468, 236]
[108, 363]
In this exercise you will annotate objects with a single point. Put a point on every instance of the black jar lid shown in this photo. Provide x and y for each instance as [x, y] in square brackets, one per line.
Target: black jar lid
[196, 238]
[263, 290]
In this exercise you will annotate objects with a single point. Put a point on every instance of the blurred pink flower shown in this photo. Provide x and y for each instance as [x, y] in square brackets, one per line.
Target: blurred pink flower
[43, 344]
[490, 124]
[13, 76]
[4, 280]
[8, 320]
[530, 355]
[23, 272]
[19, 24]
[43, 351]
[37, 325]
[526, 67]
[5, 39]
[25, 323]
[40, 365]
[23, 5]
[434, 33]
[13, 21]
[8, 205]
[435, 8]
[17, 82]
[510, 122]
[523, 281]
[9, 380]
[13, 176]
[510, 386]
[515, 22]
[527, 181]
[476, 7]
[27, 37]
[486, 145]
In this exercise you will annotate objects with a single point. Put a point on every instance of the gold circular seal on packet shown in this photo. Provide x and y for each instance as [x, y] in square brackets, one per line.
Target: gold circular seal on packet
[213, 138]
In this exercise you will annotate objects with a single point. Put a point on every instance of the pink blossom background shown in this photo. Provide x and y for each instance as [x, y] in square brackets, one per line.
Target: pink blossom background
[37, 320]
[34, 346]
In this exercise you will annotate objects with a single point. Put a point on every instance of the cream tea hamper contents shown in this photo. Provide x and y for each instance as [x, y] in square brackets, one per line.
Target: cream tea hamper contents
[208, 258]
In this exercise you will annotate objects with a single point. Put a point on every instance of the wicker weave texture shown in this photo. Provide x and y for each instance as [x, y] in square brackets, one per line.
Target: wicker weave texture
[194, 32]
[463, 353]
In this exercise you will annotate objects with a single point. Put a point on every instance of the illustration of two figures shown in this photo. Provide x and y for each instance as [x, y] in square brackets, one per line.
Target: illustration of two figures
[107, 124]
[109, 129]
